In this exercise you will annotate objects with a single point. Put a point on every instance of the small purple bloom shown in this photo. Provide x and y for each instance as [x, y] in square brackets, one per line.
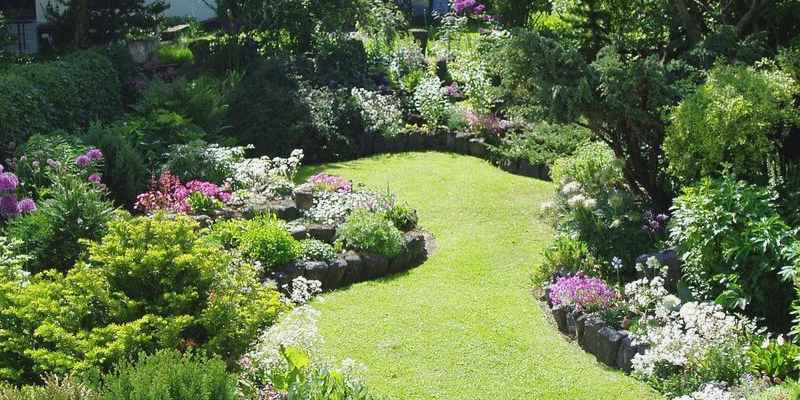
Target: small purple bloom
[94, 154]
[8, 182]
[582, 292]
[479, 9]
[95, 178]
[26, 206]
[83, 161]
[8, 206]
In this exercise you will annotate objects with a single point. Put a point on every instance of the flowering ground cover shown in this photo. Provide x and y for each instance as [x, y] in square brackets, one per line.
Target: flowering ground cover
[464, 325]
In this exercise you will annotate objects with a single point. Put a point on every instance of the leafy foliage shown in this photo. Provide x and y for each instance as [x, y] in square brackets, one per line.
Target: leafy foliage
[368, 231]
[542, 143]
[733, 245]
[315, 250]
[264, 239]
[83, 23]
[169, 373]
[733, 124]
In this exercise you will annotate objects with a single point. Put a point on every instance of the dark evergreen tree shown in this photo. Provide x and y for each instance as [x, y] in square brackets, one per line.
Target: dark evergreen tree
[84, 23]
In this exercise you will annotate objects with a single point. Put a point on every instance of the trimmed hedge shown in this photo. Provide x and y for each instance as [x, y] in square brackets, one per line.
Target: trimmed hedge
[66, 94]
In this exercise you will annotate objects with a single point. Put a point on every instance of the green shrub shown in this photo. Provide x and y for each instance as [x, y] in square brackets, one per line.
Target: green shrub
[593, 166]
[150, 284]
[733, 245]
[202, 101]
[403, 217]
[264, 239]
[174, 54]
[730, 124]
[125, 170]
[81, 88]
[316, 250]
[565, 255]
[367, 231]
[169, 374]
[542, 144]
[74, 210]
[775, 358]
[54, 388]
[276, 112]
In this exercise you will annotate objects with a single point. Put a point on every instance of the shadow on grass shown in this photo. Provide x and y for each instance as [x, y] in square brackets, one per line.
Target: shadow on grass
[307, 171]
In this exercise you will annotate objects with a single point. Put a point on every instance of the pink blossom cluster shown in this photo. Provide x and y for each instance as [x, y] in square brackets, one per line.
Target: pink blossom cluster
[331, 183]
[10, 206]
[582, 292]
[491, 124]
[169, 193]
[468, 7]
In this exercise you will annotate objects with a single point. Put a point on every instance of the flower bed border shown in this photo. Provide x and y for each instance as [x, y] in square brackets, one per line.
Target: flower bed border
[459, 143]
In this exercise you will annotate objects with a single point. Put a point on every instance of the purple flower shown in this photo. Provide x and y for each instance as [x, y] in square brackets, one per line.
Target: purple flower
[479, 9]
[331, 183]
[8, 206]
[83, 161]
[582, 292]
[8, 182]
[94, 154]
[26, 206]
[95, 178]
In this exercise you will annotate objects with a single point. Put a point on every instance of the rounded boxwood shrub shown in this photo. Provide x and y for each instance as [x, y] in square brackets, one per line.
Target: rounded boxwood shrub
[316, 250]
[170, 374]
[373, 232]
[731, 124]
[264, 239]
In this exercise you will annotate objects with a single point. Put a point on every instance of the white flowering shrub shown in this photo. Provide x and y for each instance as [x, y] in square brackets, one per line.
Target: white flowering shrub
[474, 77]
[332, 208]
[430, 101]
[302, 290]
[203, 161]
[297, 329]
[271, 175]
[382, 114]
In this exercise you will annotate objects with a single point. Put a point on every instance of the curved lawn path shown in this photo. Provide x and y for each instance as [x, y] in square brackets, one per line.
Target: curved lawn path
[464, 325]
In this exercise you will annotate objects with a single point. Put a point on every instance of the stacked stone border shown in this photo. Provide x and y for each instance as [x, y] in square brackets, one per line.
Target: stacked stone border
[460, 143]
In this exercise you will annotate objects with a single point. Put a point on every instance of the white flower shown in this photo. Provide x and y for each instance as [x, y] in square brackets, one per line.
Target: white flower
[571, 188]
[303, 289]
[616, 263]
[671, 302]
[576, 201]
[590, 203]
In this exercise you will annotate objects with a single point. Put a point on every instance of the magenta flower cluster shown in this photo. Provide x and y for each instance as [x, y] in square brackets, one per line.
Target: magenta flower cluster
[331, 183]
[10, 206]
[468, 6]
[654, 223]
[170, 194]
[582, 292]
[490, 124]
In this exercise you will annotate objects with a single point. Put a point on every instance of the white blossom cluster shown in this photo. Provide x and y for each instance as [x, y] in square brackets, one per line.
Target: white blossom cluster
[274, 174]
[430, 101]
[332, 208]
[304, 289]
[383, 114]
[477, 84]
[684, 337]
[711, 391]
[573, 192]
[297, 329]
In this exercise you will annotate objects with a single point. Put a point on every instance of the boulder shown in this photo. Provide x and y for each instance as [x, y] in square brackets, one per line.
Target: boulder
[325, 233]
[572, 322]
[560, 316]
[285, 209]
[462, 143]
[580, 325]
[298, 231]
[375, 265]
[478, 148]
[450, 142]
[590, 333]
[525, 168]
[329, 274]
[608, 345]
[304, 196]
[416, 141]
[416, 246]
[354, 267]
[627, 350]
[380, 144]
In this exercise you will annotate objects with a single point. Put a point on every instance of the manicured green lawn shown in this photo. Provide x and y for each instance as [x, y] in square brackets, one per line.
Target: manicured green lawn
[464, 325]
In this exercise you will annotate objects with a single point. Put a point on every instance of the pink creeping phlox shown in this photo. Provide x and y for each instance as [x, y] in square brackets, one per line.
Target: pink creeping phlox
[582, 292]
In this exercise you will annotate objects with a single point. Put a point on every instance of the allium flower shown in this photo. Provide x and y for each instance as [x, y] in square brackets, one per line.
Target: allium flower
[94, 154]
[83, 161]
[9, 206]
[95, 178]
[8, 182]
[26, 206]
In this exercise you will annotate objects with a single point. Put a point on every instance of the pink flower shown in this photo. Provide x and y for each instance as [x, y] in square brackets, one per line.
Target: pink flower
[83, 161]
[26, 206]
[95, 178]
[95, 154]
[582, 292]
[8, 182]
